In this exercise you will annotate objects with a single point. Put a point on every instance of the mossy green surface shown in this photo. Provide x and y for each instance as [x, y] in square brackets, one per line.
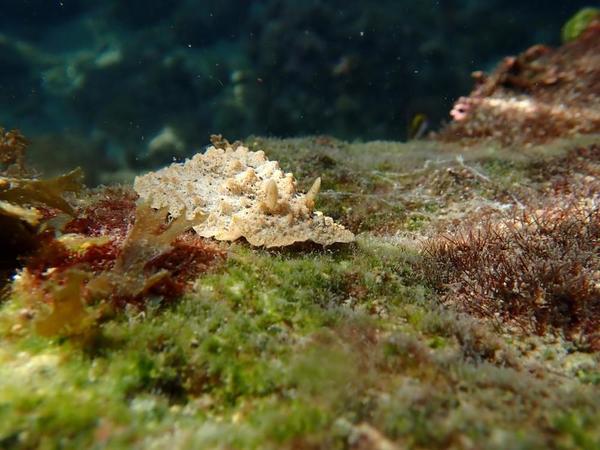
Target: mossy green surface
[345, 347]
[579, 23]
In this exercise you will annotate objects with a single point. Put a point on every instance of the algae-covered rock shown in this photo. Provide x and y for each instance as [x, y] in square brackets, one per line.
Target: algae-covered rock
[533, 98]
[244, 195]
[344, 348]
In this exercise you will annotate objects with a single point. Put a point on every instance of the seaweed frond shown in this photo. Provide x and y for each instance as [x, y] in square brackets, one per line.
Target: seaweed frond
[29, 193]
[25, 201]
[75, 281]
[68, 314]
[147, 240]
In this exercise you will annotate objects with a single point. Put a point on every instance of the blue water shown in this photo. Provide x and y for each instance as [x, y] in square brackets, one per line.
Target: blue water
[100, 80]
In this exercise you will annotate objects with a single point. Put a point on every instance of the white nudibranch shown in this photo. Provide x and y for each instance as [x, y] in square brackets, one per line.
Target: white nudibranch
[244, 195]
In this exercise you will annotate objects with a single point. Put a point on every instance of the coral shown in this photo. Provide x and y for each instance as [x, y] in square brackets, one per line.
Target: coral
[244, 195]
[533, 98]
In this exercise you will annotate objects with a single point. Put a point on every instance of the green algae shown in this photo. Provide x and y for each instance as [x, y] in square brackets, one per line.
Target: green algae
[280, 349]
[229, 341]
[307, 347]
[577, 24]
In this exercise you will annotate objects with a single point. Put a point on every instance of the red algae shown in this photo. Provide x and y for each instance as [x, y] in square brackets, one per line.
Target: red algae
[537, 270]
[111, 213]
[116, 253]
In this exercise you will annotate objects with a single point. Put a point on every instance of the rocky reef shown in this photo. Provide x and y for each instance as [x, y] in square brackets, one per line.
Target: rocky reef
[535, 97]
[462, 316]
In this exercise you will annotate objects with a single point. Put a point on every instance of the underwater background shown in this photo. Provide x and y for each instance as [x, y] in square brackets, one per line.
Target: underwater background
[392, 241]
[122, 86]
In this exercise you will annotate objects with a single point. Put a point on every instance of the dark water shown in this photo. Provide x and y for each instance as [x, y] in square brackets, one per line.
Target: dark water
[99, 80]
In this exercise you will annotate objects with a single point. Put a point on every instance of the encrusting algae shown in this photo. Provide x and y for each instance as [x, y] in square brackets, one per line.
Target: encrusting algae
[244, 195]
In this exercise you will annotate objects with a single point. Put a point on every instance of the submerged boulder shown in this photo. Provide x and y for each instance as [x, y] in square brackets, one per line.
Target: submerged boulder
[533, 98]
